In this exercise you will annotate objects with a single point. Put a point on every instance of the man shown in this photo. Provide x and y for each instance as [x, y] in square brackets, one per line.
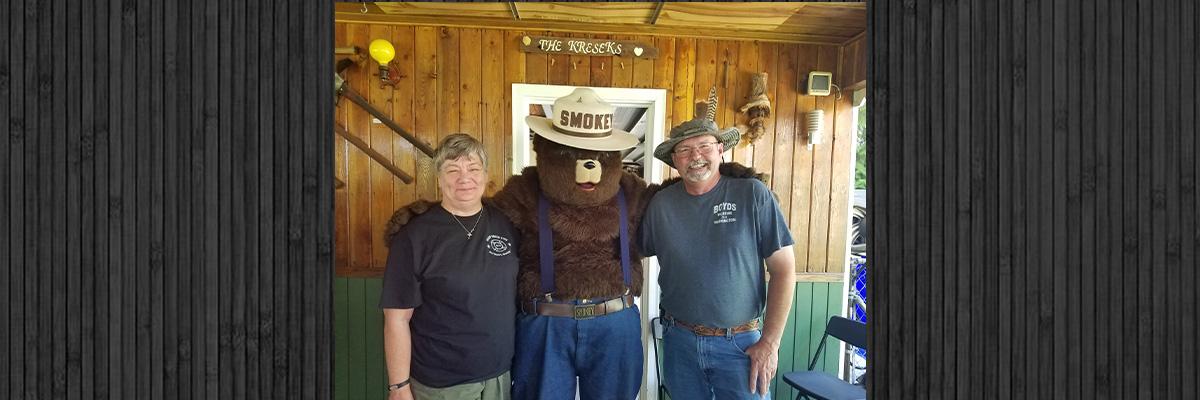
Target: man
[711, 236]
[448, 289]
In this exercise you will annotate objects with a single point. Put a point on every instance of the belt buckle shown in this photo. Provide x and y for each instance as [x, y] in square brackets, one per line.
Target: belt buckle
[585, 311]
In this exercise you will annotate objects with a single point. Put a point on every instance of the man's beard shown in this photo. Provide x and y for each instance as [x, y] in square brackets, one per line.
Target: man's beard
[697, 175]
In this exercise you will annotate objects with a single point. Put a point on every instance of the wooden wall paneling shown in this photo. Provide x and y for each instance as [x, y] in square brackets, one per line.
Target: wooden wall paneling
[822, 164]
[493, 131]
[514, 72]
[664, 78]
[250, 155]
[601, 66]
[266, 193]
[6, 130]
[381, 182]
[1078, 231]
[449, 76]
[69, 368]
[23, 127]
[801, 203]
[741, 76]
[726, 81]
[404, 154]
[188, 233]
[854, 58]
[1130, 208]
[88, 201]
[362, 241]
[578, 68]
[278, 221]
[785, 128]
[1032, 185]
[425, 108]
[764, 147]
[559, 67]
[1187, 189]
[127, 197]
[537, 64]
[232, 268]
[317, 363]
[621, 67]
[48, 197]
[707, 74]
[642, 69]
[1103, 213]
[841, 182]
[880, 153]
[686, 65]
[920, 271]
[1172, 382]
[470, 54]
[1164, 232]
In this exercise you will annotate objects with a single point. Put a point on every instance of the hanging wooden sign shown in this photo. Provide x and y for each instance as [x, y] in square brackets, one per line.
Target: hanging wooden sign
[587, 47]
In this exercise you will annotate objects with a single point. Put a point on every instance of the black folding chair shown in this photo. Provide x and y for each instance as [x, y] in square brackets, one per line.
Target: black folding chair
[822, 385]
[657, 329]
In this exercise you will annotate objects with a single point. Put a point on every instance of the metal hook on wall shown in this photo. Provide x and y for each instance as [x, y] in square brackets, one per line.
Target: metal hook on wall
[364, 8]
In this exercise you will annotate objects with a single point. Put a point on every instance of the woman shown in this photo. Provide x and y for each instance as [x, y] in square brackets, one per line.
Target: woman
[449, 287]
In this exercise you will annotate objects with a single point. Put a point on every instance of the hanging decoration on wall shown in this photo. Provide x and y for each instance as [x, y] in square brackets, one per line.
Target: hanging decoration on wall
[587, 47]
[758, 108]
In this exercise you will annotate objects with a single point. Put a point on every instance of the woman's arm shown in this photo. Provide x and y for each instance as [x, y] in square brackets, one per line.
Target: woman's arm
[397, 346]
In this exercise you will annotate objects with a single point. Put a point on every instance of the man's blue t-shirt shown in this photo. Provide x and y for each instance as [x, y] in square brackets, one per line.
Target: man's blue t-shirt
[711, 248]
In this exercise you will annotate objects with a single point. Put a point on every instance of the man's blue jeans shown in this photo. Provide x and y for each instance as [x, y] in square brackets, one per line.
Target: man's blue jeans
[707, 367]
[604, 352]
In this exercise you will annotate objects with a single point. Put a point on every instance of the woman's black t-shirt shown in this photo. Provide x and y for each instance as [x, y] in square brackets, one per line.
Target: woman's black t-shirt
[463, 292]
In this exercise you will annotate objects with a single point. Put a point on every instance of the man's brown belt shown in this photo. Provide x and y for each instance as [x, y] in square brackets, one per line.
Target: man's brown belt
[710, 331]
[578, 311]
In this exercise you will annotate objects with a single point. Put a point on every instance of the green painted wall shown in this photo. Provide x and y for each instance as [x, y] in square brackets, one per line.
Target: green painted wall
[358, 366]
[359, 371]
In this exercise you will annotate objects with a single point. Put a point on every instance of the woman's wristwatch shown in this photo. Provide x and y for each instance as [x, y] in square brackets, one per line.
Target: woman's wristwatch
[397, 386]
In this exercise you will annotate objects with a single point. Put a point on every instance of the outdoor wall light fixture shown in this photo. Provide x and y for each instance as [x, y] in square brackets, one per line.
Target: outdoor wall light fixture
[382, 52]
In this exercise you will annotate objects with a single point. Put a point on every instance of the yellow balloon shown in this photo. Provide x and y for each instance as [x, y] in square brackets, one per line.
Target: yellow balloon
[382, 51]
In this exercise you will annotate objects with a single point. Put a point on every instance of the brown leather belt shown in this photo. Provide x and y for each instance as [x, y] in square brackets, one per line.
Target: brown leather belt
[710, 331]
[578, 311]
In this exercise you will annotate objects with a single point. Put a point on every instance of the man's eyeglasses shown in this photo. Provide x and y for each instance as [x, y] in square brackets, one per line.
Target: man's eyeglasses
[703, 148]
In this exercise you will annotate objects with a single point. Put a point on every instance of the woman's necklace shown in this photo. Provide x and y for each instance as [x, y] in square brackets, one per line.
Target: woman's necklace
[464, 227]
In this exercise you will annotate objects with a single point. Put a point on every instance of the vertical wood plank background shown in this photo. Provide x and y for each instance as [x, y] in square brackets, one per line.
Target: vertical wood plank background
[463, 79]
[166, 217]
[1032, 180]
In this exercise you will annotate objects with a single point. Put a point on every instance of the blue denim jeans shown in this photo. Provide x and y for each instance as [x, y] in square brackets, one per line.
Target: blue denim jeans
[707, 367]
[604, 352]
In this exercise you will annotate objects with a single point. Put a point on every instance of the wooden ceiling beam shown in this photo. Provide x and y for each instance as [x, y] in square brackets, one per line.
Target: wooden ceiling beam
[561, 26]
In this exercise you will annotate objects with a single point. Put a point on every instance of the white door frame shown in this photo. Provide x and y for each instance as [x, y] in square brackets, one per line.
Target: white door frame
[655, 102]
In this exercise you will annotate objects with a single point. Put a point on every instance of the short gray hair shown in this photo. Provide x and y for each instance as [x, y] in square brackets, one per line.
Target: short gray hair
[457, 145]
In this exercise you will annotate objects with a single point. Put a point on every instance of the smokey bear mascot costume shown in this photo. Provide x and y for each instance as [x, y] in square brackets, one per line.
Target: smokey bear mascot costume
[577, 213]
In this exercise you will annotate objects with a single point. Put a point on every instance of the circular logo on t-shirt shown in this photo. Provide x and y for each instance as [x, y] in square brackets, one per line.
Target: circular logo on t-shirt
[498, 246]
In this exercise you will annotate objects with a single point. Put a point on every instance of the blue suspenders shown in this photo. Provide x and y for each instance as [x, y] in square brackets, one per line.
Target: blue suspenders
[546, 243]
